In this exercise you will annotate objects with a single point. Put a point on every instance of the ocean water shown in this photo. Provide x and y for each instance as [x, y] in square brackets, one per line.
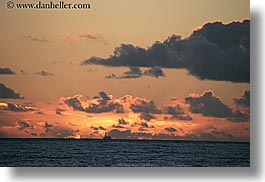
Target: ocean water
[122, 153]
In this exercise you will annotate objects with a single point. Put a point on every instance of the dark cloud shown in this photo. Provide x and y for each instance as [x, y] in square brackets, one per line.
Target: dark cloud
[170, 129]
[146, 116]
[18, 108]
[98, 104]
[47, 127]
[34, 39]
[7, 93]
[208, 136]
[174, 110]
[106, 103]
[154, 72]
[239, 116]
[44, 73]
[144, 125]
[142, 106]
[216, 51]
[24, 125]
[244, 100]
[97, 128]
[59, 111]
[242, 108]
[104, 96]
[136, 72]
[6, 71]
[73, 102]
[182, 117]
[208, 105]
[58, 131]
[122, 121]
[101, 128]
[117, 126]
[128, 134]
[224, 35]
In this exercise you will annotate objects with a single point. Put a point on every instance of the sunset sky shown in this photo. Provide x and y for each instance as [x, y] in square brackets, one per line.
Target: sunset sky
[148, 69]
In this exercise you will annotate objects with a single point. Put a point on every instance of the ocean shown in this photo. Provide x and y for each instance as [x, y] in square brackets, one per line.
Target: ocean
[122, 153]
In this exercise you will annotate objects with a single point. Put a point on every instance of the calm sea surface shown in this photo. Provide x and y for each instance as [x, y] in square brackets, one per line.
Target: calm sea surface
[122, 153]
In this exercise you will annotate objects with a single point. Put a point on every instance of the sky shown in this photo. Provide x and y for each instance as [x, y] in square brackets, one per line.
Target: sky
[135, 69]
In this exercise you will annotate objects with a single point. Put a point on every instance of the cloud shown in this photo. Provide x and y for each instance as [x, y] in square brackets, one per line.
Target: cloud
[154, 72]
[128, 134]
[7, 93]
[88, 37]
[208, 105]
[146, 116]
[18, 108]
[44, 73]
[47, 127]
[6, 71]
[104, 96]
[99, 104]
[122, 121]
[171, 130]
[34, 39]
[73, 102]
[177, 113]
[182, 117]
[136, 72]
[174, 110]
[139, 105]
[216, 51]
[242, 108]
[244, 100]
[117, 126]
[24, 125]
[143, 125]
[97, 128]
[205, 136]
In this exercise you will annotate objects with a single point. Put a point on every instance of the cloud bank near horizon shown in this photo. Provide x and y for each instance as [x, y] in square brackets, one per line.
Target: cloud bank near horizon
[206, 104]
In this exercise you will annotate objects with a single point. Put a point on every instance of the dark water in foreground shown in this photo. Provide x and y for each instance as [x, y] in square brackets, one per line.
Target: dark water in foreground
[121, 153]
